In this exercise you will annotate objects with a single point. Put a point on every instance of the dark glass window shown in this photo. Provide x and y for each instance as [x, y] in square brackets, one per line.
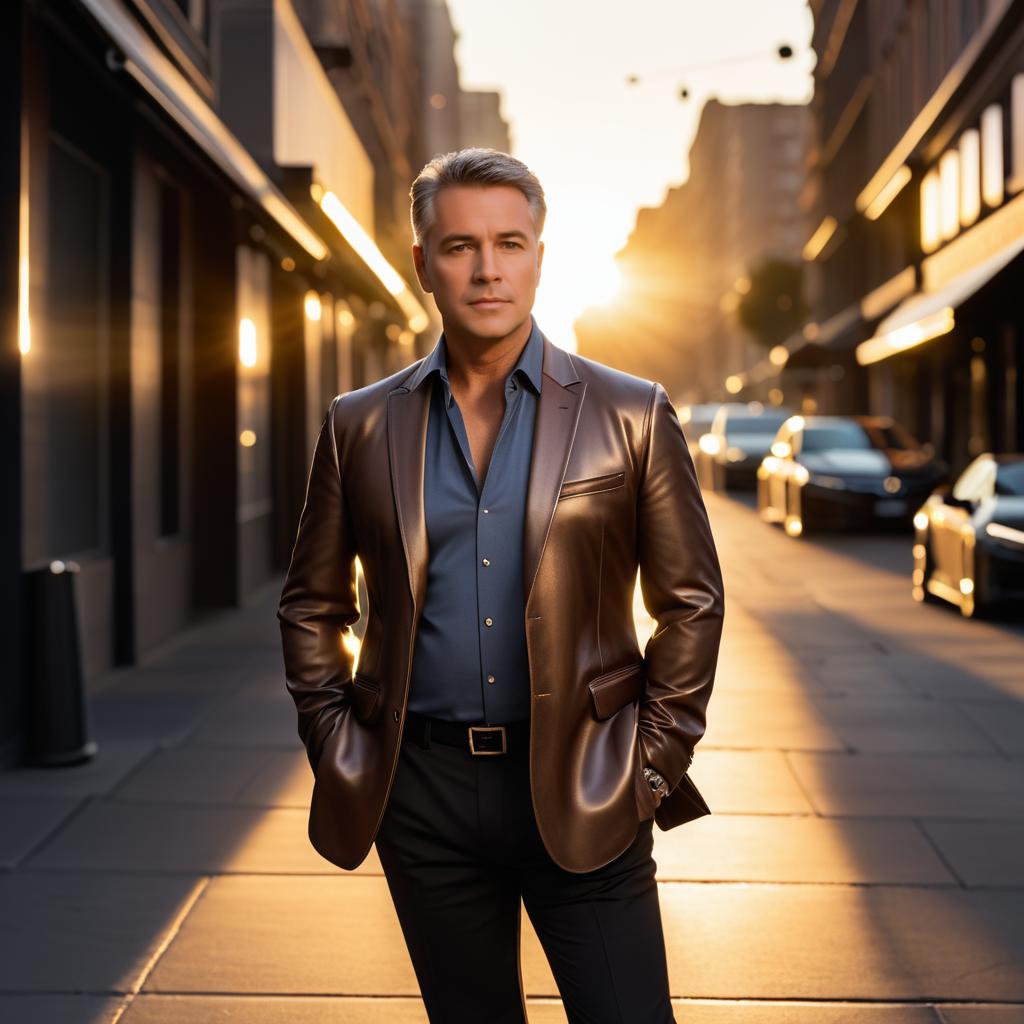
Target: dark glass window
[1010, 478]
[74, 347]
[848, 436]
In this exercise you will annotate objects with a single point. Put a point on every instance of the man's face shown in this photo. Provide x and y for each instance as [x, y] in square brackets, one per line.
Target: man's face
[481, 259]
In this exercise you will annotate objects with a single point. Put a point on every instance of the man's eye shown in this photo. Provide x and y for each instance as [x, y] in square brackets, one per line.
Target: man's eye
[458, 247]
[514, 245]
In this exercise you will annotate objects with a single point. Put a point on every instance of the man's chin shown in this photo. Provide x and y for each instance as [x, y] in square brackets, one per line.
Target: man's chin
[492, 325]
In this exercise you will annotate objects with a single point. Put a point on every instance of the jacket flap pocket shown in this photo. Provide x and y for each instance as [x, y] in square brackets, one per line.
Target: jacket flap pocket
[592, 484]
[614, 690]
[365, 697]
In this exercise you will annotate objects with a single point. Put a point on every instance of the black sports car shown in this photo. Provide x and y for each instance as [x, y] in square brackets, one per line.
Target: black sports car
[824, 472]
[969, 541]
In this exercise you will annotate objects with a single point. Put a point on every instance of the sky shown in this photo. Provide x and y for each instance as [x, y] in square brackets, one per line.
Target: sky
[603, 148]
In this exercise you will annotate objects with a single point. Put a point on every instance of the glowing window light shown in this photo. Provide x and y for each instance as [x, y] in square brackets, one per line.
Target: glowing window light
[314, 308]
[992, 188]
[970, 176]
[779, 355]
[733, 384]
[247, 438]
[1017, 132]
[24, 325]
[930, 207]
[247, 342]
[949, 186]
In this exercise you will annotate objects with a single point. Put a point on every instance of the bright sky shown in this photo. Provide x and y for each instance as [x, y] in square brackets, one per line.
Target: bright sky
[600, 147]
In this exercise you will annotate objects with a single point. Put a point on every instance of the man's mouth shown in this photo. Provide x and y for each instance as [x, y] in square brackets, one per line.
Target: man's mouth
[489, 302]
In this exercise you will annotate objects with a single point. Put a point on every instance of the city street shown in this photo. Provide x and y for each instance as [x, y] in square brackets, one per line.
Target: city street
[864, 861]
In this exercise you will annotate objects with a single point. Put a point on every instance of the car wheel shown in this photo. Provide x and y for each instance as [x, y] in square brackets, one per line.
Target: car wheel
[970, 606]
[795, 523]
[924, 567]
[763, 498]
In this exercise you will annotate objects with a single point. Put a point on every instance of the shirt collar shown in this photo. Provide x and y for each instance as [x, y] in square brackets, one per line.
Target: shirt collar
[529, 365]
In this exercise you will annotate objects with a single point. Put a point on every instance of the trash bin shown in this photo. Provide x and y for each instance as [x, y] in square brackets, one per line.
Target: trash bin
[58, 730]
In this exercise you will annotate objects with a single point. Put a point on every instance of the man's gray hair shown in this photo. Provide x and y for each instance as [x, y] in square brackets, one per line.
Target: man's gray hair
[474, 166]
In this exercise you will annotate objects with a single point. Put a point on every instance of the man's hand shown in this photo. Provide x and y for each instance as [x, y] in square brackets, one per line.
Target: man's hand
[319, 600]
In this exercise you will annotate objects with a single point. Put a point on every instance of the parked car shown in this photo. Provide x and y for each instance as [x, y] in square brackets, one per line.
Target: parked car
[824, 472]
[969, 540]
[696, 421]
[739, 438]
[907, 455]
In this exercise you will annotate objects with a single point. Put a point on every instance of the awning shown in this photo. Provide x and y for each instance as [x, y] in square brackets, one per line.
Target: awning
[169, 87]
[928, 315]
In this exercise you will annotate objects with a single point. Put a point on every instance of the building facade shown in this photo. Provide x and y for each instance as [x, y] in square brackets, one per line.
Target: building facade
[191, 271]
[916, 189]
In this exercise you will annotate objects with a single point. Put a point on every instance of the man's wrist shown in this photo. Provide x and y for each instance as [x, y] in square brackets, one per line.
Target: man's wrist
[657, 782]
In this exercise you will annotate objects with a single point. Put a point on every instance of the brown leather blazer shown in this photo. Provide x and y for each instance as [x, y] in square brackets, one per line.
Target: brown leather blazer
[612, 488]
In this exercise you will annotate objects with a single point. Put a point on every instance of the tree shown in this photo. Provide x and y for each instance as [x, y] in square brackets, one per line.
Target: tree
[773, 308]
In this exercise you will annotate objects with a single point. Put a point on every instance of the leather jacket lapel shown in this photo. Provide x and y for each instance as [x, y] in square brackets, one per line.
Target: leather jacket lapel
[558, 414]
[407, 445]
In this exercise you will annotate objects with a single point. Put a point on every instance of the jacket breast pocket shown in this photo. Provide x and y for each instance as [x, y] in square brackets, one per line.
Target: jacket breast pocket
[613, 690]
[592, 485]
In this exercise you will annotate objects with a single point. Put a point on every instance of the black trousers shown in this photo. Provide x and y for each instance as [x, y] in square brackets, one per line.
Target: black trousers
[460, 848]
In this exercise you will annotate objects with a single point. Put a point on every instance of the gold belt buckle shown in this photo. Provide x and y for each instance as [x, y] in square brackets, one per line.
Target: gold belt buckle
[487, 729]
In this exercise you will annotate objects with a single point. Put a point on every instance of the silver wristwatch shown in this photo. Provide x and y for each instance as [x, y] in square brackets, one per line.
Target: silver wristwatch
[656, 781]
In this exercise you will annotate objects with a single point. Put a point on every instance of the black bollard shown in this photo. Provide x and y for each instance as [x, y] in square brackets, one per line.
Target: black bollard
[58, 733]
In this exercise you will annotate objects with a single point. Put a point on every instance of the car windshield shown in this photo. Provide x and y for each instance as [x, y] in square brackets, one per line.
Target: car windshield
[849, 436]
[1010, 478]
[891, 435]
[766, 424]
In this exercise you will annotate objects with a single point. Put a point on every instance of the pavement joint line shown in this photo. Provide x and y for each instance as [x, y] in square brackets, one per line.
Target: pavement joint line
[936, 849]
[76, 812]
[339, 876]
[169, 936]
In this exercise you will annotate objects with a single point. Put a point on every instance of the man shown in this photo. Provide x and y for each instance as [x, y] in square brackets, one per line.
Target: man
[502, 738]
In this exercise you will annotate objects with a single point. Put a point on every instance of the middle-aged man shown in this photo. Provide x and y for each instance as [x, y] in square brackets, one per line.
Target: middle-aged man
[502, 737]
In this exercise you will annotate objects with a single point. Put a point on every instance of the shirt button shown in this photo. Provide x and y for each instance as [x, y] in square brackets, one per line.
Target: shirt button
[490, 679]
[488, 621]
[486, 561]
[486, 510]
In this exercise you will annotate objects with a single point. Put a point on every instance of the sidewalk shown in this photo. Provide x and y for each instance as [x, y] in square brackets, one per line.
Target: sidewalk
[864, 863]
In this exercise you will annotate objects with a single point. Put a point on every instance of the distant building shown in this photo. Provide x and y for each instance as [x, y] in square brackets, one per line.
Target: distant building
[917, 190]
[686, 261]
[482, 123]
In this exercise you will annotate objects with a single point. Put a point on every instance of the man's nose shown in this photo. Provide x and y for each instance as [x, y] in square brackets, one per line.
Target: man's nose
[486, 266]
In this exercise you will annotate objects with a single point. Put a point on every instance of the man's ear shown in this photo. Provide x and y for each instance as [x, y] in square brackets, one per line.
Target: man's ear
[419, 260]
[540, 259]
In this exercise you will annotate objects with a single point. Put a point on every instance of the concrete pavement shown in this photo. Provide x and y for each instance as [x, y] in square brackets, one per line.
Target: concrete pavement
[864, 761]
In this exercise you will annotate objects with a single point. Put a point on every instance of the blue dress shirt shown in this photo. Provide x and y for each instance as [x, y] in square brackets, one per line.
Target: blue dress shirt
[470, 662]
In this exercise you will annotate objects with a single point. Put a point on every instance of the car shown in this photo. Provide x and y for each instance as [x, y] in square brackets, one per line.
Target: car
[908, 456]
[740, 436]
[824, 472]
[969, 540]
[696, 421]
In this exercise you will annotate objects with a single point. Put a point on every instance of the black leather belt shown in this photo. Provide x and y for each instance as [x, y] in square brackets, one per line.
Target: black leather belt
[478, 740]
